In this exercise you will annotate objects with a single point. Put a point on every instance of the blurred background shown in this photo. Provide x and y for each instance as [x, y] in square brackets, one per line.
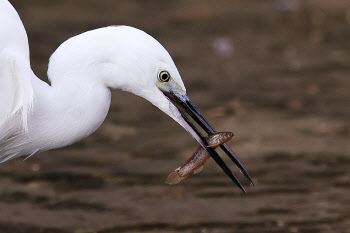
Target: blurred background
[276, 73]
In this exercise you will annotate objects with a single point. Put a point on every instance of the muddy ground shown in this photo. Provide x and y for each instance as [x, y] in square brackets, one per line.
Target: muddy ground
[276, 73]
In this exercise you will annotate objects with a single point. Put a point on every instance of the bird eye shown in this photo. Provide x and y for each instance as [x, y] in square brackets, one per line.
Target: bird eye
[164, 76]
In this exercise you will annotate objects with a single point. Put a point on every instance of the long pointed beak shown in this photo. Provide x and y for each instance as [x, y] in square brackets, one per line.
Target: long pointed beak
[188, 106]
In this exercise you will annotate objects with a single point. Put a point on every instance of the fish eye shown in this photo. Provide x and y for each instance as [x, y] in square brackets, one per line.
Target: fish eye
[164, 76]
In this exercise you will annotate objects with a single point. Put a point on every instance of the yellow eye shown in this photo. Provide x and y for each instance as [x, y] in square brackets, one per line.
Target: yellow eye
[164, 76]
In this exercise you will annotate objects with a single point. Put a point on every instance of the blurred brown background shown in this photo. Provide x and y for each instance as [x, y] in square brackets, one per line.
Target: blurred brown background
[276, 73]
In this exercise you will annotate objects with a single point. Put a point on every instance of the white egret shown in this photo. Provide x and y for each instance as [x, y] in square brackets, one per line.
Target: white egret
[36, 116]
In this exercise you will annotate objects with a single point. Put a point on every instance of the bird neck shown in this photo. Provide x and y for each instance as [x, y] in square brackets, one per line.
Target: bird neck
[67, 112]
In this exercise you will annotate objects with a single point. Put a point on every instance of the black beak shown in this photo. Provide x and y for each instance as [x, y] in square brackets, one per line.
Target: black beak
[188, 106]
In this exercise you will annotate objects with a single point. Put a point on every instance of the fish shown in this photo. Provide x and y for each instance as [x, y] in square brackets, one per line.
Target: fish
[195, 163]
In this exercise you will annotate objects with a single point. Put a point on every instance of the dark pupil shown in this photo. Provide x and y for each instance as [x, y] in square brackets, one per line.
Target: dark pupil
[165, 77]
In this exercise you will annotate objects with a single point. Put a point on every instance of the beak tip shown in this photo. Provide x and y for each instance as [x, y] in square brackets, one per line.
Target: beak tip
[243, 189]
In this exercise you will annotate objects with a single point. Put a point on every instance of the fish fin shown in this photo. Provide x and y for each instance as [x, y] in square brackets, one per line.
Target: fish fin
[174, 178]
[198, 170]
[213, 145]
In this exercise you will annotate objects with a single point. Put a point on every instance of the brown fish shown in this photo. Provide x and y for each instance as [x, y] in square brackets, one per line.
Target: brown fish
[195, 163]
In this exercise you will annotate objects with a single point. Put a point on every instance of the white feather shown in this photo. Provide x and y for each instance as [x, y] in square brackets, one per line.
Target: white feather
[36, 117]
[16, 92]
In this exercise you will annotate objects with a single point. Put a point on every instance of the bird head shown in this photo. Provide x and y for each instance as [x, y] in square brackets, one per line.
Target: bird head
[126, 58]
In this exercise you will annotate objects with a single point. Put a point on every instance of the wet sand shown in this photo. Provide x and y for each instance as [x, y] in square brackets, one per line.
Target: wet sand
[277, 76]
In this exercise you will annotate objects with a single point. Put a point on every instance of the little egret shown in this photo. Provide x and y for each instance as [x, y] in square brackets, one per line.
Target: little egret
[36, 116]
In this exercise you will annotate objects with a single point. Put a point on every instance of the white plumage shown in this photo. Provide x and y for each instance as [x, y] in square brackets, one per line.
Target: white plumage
[16, 93]
[35, 116]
